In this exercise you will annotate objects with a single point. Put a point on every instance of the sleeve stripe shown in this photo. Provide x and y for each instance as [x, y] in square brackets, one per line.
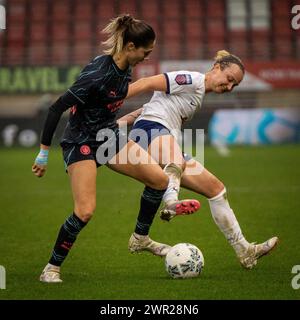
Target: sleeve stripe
[76, 96]
[168, 83]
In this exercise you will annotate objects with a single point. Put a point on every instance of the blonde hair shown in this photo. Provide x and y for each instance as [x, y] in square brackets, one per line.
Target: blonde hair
[221, 54]
[224, 58]
[123, 29]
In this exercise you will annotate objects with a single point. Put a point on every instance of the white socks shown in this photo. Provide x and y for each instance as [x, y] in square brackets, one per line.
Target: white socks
[174, 173]
[226, 221]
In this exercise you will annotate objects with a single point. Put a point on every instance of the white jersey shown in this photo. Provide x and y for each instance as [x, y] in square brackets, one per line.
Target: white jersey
[184, 96]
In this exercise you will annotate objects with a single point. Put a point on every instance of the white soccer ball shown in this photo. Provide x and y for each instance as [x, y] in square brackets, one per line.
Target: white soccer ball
[184, 260]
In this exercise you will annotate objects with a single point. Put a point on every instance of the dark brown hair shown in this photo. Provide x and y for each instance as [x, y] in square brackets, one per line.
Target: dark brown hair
[124, 29]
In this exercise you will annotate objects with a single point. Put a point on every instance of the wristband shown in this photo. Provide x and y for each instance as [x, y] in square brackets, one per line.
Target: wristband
[42, 157]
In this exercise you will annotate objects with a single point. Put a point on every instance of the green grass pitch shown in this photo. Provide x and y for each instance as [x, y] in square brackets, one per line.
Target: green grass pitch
[263, 186]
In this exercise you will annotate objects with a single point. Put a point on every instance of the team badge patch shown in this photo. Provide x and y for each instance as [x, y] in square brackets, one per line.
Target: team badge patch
[85, 150]
[182, 79]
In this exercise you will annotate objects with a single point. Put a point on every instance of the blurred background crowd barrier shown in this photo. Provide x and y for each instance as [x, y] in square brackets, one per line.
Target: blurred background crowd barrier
[45, 43]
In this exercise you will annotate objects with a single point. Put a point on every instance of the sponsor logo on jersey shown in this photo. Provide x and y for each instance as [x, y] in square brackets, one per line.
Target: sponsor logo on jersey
[115, 105]
[73, 110]
[182, 79]
[85, 150]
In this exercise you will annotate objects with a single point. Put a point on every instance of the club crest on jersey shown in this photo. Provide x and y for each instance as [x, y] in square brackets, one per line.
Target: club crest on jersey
[73, 109]
[85, 150]
[182, 79]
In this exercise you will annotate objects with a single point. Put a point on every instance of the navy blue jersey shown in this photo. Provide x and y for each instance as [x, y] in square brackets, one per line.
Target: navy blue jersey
[94, 100]
[99, 91]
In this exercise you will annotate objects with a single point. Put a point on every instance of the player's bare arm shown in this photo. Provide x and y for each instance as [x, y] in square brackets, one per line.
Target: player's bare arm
[143, 85]
[129, 118]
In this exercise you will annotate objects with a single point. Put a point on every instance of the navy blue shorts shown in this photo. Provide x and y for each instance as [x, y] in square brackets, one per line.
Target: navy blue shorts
[100, 152]
[151, 130]
[144, 132]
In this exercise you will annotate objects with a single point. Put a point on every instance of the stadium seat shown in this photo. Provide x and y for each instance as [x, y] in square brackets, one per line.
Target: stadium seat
[282, 26]
[38, 10]
[83, 10]
[15, 34]
[238, 48]
[282, 48]
[215, 9]
[104, 11]
[194, 49]
[61, 11]
[60, 31]
[15, 53]
[60, 53]
[38, 54]
[149, 9]
[261, 50]
[38, 32]
[128, 6]
[280, 8]
[215, 30]
[194, 29]
[171, 9]
[263, 35]
[194, 9]
[171, 50]
[172, 29]
[16, 12]
[82, 31]
[238, 43]
[81, 53]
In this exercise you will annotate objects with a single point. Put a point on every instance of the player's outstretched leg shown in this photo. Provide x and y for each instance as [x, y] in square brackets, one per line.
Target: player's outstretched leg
[255, 251]
[247, 253]
[172, 206]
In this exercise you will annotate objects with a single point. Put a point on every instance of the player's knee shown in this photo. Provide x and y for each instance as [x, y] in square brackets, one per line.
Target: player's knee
[158, 182]
[217, 187]
[85, 211]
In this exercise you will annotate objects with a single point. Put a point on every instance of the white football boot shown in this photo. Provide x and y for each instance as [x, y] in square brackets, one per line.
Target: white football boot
[138, 243]
[249, 259]
[51, 274]
[179, 207]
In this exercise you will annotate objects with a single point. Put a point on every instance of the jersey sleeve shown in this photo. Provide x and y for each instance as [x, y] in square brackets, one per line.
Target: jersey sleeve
[62, 104]
[182, 82]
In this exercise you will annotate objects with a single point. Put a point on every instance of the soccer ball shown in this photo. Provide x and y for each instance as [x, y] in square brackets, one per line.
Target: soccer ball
[184, 260]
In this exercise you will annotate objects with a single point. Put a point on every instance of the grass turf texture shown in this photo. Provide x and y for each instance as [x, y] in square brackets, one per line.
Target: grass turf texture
[263, 188]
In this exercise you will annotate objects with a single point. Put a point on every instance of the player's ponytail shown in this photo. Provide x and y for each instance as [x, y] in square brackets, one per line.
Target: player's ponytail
[224, 58]
[124, 29]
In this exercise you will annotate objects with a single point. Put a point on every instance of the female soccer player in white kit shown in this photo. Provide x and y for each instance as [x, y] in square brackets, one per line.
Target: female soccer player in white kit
[176, 98]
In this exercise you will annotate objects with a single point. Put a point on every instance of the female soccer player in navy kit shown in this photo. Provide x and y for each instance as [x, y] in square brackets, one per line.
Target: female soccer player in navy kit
[94, 100]
[178, 95]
